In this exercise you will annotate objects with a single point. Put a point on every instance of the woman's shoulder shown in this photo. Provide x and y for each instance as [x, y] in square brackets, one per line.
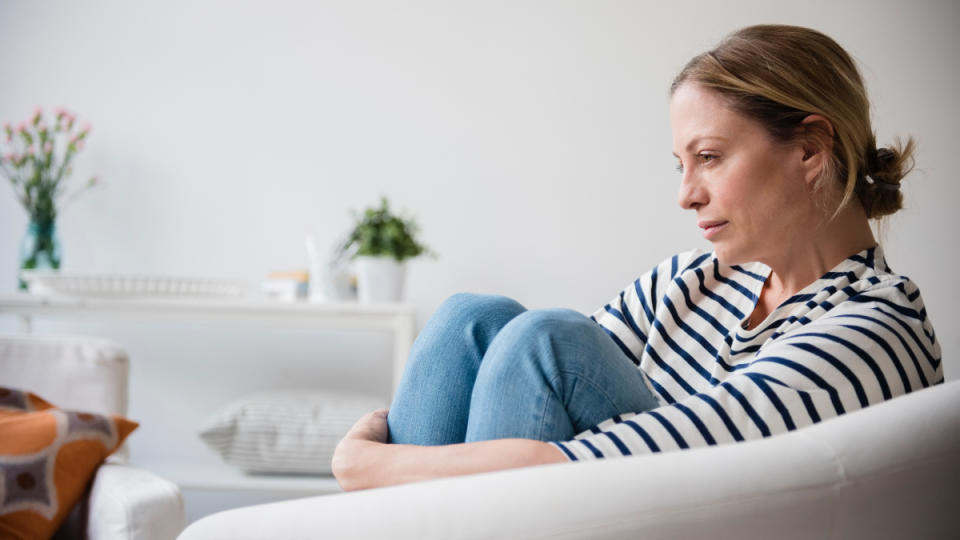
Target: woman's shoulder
[878, 299]
[872, 280]
[894, 296]
[881, 317]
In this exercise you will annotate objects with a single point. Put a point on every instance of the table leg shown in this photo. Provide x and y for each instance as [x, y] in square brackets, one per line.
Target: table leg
[26, 324]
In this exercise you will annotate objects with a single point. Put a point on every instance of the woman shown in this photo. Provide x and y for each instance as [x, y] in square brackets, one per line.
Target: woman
[794, 318]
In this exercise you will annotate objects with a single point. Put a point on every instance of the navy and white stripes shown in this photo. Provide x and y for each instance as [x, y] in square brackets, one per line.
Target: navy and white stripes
[856, 336]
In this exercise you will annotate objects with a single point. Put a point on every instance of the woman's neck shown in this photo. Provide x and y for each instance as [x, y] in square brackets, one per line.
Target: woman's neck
[807, 257]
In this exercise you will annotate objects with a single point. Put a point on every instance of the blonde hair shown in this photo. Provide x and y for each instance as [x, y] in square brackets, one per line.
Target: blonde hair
[778, 75]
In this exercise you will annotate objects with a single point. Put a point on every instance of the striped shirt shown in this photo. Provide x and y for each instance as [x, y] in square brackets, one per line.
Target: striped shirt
[856, 336]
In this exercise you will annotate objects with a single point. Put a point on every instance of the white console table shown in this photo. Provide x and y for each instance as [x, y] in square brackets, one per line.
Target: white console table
[397, 318]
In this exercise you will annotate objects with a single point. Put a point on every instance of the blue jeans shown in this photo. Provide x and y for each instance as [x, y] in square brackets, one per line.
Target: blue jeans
[486, 368]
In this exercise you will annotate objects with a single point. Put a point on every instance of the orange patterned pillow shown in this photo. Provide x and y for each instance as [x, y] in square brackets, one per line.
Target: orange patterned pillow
[47, 458]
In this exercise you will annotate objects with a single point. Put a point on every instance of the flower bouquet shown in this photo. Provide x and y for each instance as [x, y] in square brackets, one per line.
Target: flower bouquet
[36, 158]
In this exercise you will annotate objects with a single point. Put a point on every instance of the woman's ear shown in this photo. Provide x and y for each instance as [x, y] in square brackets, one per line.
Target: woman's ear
[817, 140]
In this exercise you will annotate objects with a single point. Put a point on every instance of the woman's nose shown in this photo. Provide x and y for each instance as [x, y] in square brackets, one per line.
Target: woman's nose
[692, 194]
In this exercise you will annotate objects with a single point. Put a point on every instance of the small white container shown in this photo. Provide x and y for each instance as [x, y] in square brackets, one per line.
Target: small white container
[379, 279]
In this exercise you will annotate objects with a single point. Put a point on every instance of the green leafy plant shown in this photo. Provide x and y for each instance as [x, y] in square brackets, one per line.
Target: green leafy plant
[380, 233]
[37, 159]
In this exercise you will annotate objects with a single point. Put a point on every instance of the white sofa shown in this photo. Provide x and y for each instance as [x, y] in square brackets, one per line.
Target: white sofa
[90, 374]
[888, 471]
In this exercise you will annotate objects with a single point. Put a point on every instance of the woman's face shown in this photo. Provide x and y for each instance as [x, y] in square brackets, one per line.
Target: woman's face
[748, 191]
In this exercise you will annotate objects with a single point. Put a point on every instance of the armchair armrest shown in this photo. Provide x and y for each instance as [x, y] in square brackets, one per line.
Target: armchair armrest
[128, 503]
[886, 471]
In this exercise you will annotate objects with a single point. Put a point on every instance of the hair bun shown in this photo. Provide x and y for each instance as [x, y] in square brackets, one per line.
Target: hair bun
[884, 170]
[885, 156]
[885, 167]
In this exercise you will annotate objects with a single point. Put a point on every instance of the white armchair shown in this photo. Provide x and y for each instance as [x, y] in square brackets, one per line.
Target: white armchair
[889, 471]
[90, 374]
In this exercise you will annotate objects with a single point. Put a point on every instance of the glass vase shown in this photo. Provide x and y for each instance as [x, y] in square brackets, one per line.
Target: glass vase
[40, 248]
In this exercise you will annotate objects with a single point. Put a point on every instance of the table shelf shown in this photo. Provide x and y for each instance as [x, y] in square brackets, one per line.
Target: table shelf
[397, 318]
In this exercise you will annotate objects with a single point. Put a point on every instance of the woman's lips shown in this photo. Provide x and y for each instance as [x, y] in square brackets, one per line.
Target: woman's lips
[712, 228]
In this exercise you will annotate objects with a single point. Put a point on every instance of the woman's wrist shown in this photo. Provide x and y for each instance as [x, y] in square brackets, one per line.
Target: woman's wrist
[355, 463]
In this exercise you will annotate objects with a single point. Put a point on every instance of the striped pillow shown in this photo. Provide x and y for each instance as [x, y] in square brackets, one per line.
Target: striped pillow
[285, 432]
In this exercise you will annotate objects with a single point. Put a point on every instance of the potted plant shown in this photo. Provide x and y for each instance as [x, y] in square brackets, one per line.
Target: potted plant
[379, 244]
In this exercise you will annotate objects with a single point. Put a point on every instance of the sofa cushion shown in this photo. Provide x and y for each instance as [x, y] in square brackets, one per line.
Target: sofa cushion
[285, 432]
[47, 458]
[75, 372]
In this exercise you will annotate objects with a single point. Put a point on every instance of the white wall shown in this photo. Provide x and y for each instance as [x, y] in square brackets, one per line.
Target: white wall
[531, 139]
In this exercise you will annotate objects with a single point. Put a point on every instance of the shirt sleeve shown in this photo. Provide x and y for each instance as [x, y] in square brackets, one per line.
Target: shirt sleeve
[628, 318]
[874, 346]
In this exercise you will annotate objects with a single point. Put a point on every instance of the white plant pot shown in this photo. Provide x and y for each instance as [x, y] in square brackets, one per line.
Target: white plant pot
[379, 279]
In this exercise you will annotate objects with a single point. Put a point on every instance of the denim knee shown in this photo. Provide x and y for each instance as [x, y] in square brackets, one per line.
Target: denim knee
[466, 308]
[462, 328]
[534, 332]
[541, 322]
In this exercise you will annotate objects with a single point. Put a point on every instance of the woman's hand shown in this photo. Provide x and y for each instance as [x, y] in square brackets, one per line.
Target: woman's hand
[372, 427]
[363, 460]
[352, 459]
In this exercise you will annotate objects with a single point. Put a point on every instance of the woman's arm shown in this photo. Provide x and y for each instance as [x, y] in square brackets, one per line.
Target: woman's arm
[363, 460]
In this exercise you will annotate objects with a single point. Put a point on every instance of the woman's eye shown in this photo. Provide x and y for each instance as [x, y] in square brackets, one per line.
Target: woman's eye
[702, 157]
